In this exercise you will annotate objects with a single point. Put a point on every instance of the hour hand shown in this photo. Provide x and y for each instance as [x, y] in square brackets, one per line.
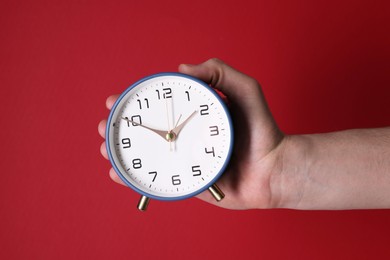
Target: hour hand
[161, 133]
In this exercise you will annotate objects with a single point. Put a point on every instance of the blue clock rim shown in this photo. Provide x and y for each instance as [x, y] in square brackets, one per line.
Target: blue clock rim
[141, 192]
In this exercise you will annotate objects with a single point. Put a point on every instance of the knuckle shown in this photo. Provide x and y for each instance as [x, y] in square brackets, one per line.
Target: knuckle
[253, 82]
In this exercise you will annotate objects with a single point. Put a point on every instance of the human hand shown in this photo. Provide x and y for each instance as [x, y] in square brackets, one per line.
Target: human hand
[248, 181]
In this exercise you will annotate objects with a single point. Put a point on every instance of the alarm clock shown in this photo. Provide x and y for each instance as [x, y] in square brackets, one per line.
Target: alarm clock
[169, 137]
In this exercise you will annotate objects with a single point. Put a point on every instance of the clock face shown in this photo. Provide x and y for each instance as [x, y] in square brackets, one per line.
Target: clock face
[169, 136]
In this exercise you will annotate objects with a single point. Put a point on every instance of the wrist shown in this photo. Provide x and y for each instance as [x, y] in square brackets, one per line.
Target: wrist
[289, 178]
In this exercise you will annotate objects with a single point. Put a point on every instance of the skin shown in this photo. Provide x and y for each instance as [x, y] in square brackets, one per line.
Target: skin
[268, 169]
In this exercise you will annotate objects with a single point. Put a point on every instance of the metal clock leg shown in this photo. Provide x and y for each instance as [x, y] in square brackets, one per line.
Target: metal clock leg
[143, 203]
[216, 192]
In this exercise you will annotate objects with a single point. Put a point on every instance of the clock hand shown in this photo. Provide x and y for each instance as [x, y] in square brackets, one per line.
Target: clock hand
[169, 113]
[163, 134]
[171, 136]
[178, 128]
[178, 120]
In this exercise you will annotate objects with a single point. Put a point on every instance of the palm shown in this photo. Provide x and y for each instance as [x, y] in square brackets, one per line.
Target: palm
[246, 182]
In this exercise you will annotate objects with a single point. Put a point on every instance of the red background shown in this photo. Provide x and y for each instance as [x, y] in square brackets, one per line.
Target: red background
[323, 65]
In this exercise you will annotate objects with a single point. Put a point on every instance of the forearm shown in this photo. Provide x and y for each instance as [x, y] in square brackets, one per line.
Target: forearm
[340, 170]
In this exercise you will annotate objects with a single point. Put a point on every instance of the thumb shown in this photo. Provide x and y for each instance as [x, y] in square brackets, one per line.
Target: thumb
[241, 90]
[234, 84]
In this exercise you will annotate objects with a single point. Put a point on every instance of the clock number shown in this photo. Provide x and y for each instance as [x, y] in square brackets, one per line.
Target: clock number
[126, 143]
[136, 119]
[137, 163]
[188, 96]
[196, 170]
[128, 123]
[155, 175]
[167, 93]
[176, 180]
[214, 130]
[204, 110]
[140, 103]
[212, 151]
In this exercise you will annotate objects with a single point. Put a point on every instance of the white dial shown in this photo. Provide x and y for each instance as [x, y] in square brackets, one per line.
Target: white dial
[169, 136]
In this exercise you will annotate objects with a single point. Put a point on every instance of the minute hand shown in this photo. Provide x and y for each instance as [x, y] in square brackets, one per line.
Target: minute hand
[178, 128]
[161, 133]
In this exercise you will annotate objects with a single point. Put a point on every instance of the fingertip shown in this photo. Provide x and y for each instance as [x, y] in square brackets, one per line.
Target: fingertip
[115, 177]
[183, 68]
[111, 100]
[103, 150]
[102, 128]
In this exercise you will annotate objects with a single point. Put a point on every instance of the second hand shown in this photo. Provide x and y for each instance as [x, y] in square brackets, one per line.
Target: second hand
[169, 121]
